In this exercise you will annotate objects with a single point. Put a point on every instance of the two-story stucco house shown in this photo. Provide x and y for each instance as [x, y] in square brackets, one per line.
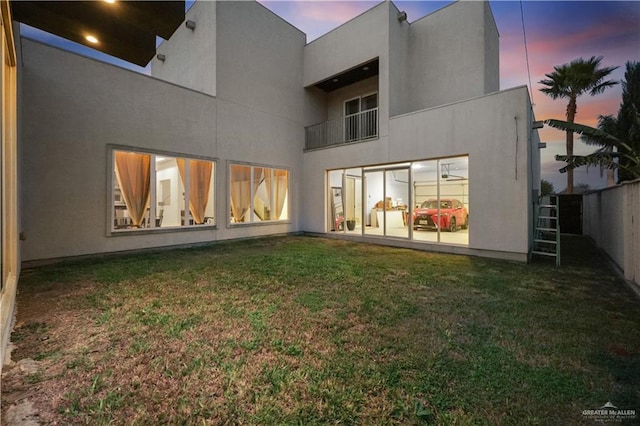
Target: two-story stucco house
[381, 131]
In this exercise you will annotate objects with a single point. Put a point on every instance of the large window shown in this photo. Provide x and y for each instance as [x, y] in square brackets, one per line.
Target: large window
[258, 194]
[149, 191]
[421, 200]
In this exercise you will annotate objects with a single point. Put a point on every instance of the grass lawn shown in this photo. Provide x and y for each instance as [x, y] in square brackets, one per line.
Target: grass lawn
[301, 330]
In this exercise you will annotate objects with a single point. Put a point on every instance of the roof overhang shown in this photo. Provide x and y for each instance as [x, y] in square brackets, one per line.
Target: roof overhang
[124, 29]
[350, 76]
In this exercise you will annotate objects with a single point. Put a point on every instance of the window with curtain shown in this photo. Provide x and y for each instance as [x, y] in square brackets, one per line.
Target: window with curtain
[258, 194]
[154, 191]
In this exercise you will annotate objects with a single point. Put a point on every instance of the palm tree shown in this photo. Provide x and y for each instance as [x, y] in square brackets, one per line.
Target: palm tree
[570, 81]
[625, 127]
[627, 123]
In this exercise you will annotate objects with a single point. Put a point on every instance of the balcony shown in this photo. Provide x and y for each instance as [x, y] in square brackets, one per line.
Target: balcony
[351, 128]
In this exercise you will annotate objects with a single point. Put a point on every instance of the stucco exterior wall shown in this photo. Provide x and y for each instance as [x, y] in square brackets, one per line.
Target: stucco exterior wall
[77, 106]
[261, 72]
[259, 60]
[491, 51]
[604, 208]
[246, 135]
[448, 53]
[190, 55]
[399, 84]
[610, 218]
[260, 109]
[315, 106]
[257, 119]
[486, 129]
[360, 40]
[337, 98]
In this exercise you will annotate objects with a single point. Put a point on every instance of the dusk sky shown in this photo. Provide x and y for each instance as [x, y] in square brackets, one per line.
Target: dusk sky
[557, 32]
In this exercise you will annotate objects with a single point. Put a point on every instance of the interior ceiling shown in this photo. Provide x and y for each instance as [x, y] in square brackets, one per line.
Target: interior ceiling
[361, 72]
[124, 29]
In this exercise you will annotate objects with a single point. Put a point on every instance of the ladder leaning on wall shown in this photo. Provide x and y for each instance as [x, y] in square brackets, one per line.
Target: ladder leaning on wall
[547, 233]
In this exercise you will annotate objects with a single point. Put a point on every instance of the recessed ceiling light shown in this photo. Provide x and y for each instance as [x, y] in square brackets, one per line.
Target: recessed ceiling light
[335, 80]
[91, 39]
[365, 68]
[110, 1]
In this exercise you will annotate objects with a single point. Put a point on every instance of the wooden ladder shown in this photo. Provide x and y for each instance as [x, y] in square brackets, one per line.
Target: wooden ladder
[547, 234]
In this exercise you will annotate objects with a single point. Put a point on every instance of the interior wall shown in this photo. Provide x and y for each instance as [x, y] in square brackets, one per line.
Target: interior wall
[171, 213]
[374, 190]
[429, 190]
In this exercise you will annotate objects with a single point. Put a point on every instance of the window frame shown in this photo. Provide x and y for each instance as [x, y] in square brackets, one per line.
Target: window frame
[252, 222]
[111, 184]
[412, 198]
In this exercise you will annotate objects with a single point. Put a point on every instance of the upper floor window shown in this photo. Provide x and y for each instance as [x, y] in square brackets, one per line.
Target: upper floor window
[149, 191]
[361, 118]
[258, 194]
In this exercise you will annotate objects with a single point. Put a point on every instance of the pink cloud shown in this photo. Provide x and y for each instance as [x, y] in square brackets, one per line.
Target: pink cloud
[329, 11]
[589, 36]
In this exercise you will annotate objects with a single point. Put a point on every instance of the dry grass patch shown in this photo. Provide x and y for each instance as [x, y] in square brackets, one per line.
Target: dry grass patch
[302, 330]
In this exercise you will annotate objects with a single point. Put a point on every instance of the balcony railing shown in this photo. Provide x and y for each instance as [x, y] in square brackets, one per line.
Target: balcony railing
[351, 128]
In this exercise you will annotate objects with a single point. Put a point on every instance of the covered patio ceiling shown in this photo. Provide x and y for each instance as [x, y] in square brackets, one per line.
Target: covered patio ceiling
[353, 75]
[124, 29]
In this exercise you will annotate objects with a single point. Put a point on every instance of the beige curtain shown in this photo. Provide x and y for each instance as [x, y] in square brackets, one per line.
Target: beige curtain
[281, 178]
[257, 178]
[267, 185]
[261, 175]
[133, 173]
[240, 192]
[199, 186]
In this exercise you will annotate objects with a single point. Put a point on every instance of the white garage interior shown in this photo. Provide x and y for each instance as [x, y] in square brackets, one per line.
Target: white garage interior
[387, 200]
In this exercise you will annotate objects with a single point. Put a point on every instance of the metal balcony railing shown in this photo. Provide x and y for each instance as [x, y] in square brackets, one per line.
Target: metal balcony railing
[351, 128]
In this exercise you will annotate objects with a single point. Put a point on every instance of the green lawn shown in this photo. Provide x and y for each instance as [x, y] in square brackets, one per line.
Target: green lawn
[301, 330]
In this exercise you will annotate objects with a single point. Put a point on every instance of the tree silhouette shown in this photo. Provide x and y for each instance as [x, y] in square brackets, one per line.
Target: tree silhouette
[571, 80]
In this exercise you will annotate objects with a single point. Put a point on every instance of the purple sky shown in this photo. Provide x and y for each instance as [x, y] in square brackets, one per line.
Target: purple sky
[557, 32]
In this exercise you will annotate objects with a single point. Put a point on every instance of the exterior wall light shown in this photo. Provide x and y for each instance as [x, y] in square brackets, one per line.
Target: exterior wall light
[402, 16]
[542, 145]
[161, 57]
[190, 24]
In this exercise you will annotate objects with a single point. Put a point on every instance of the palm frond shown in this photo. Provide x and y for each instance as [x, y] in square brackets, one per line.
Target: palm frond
[605, 159]
[607, 124]
[597, 136]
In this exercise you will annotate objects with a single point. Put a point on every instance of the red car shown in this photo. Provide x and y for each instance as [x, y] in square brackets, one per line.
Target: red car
[453, 214]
